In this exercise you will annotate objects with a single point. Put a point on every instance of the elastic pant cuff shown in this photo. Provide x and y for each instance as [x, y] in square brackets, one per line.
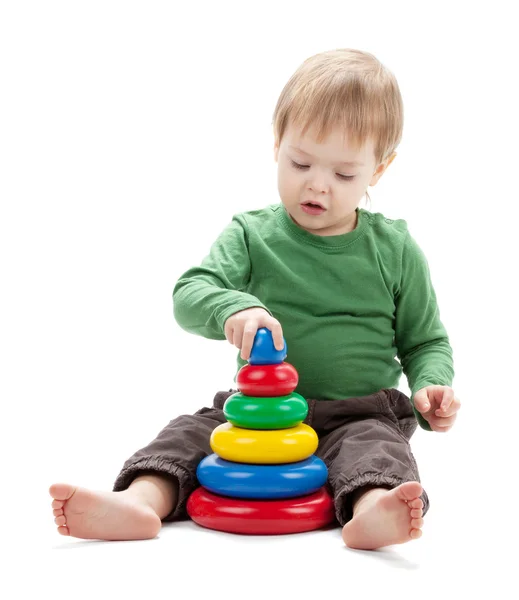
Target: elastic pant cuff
[154, 464]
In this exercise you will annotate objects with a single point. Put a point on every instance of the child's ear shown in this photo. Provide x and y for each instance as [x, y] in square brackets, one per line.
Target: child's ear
[381, 169]
[391, 159]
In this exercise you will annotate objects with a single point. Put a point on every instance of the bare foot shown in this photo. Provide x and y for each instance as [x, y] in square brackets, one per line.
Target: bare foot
[386, 517]
[102, 515]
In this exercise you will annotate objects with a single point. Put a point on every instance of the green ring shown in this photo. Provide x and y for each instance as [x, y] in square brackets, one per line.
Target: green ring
[277, 412]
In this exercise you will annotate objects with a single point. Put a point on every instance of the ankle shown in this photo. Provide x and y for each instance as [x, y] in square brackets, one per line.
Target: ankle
[158, 491]
[363, 496]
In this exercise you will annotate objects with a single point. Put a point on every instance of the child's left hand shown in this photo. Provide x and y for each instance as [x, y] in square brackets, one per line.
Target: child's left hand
[438, 406]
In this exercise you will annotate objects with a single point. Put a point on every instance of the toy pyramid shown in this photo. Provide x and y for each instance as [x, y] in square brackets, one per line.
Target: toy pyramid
[263, 477]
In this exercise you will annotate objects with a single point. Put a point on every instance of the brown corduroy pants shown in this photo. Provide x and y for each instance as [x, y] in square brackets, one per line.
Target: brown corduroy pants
[364, 441]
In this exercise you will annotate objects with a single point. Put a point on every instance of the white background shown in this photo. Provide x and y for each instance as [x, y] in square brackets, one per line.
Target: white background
[130, 134]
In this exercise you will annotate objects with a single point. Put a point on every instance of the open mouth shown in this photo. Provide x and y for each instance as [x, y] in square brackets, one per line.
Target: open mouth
[312, 208]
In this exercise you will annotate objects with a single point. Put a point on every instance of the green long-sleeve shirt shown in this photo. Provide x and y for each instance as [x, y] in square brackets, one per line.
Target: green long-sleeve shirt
[349, 305]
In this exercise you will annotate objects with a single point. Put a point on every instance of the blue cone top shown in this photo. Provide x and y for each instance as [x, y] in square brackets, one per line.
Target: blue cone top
[263, 350]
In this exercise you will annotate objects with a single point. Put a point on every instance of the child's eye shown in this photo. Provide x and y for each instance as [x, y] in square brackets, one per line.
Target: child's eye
[345, 177]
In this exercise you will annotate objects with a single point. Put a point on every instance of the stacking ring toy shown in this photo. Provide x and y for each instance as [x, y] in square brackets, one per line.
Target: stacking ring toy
[240, 480]
[268, 517]
[263, 351]
[263, 446]
[279, 412]
[267, 380]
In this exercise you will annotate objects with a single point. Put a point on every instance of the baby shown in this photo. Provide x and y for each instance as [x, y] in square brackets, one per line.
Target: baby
[350, 290]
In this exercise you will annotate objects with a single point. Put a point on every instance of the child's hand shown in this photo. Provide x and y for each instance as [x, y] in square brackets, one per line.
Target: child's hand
[240, 329]
[438, 406]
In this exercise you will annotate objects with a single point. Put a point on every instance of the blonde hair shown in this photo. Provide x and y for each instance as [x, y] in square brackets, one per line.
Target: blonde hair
[346, 88]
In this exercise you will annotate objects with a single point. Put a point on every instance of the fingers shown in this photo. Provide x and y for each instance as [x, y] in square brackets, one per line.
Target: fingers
[443, 421]
[229, 331]
[277, 334]
[421, 401]
[446, 413]
[439, 429]
[438, 406]
[237, 337]
[449, 404]
[440, 424]
[248, 339]
[240, 330]
[249, 333]
[438, 400]
[448, 398]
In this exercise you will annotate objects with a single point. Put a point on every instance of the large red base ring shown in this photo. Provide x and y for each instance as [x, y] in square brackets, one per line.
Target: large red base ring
[256, 517]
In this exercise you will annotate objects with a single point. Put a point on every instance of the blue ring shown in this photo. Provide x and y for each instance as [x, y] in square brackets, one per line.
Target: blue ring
[243, 480]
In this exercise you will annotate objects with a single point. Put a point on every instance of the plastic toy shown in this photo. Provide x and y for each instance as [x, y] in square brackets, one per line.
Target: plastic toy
[263, 477]
[263, 350]
[267, 380]
[267, 517]
[264, 446]
[265, 413]
[242, 480]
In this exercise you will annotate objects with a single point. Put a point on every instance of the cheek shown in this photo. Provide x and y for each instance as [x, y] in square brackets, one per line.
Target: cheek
[288, 185]
[350, 189]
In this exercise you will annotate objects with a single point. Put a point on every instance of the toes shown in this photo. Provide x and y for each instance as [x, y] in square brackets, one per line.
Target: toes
[57, 512]
[415, 534]
[62, 491]
[409, 491]
[63, 530]
[57, 504]
[417, 513]
[60, 521]
[417, 503]
[416, 523]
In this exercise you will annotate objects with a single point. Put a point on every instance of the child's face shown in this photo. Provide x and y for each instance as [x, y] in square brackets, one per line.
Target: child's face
[320, 179]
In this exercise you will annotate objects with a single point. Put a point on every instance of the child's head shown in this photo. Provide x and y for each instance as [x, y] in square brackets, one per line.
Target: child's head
[339, 106]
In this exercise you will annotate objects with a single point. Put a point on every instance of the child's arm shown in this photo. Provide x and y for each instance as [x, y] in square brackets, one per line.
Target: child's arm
[206, 295]
[421, 339]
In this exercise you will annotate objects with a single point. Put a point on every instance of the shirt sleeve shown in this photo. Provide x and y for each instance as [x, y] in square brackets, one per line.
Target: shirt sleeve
[205, 296]
[422, 342]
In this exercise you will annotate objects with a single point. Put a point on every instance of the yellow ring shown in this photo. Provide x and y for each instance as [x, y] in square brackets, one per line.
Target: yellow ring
[264, 446]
